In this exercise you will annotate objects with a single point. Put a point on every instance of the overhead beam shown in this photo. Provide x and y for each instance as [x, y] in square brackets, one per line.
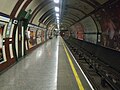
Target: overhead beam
[44, 15]
[67, 21]
[51, 20]
[69, 18]
[98, 8]
[65, 18]
[72, 7]
[88, 2]
[39, 7]
[67, 25]
[95, 2]
[48, 17]
[51, 16]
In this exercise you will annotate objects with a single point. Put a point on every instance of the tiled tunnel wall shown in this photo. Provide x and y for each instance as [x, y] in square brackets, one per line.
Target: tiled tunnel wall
[102, 27]
[21, 34]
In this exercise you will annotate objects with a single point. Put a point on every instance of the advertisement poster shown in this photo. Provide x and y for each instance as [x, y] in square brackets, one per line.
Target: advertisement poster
[32, 37]
[78, 31]
[109, 19]
[42, 36]
[38, 36]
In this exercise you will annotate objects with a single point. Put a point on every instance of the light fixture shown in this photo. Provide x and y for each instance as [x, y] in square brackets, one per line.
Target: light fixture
[56, 1]
[57, 14]
[56, 9]
[57, 21]
[58, 18]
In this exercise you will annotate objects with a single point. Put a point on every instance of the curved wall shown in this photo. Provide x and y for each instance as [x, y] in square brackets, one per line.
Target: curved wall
[16, 41]
[90, 33]
[85, 30]
[102, 27]
[109, 19]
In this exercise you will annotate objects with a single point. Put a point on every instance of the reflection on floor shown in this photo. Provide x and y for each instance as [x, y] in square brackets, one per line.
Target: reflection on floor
[46, 68]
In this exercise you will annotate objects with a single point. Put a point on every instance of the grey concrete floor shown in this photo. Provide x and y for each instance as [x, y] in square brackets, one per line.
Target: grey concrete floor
[46, 68]
[66, 80]
[37, 71]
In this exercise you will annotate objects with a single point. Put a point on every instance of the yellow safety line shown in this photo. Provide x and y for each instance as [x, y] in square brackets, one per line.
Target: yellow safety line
[73, 69]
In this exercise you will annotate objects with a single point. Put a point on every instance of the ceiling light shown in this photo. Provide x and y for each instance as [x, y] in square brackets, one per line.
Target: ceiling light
[57, 9]
[57, 15]
[58, 18]
[56, 1]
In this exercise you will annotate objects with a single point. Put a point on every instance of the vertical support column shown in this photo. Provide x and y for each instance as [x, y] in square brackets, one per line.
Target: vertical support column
[46, 34]
[20, 39]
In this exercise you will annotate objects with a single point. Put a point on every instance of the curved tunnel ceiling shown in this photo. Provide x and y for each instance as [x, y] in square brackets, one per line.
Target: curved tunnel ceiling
[72, 11]
[80, 8]
[39, 7]
[43, 10]
[46, 14]
[48, 17]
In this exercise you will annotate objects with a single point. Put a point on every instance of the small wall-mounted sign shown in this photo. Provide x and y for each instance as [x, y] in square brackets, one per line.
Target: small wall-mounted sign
[15, 21]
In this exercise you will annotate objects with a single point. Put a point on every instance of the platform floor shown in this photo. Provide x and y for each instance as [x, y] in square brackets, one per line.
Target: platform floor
[46, 68]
